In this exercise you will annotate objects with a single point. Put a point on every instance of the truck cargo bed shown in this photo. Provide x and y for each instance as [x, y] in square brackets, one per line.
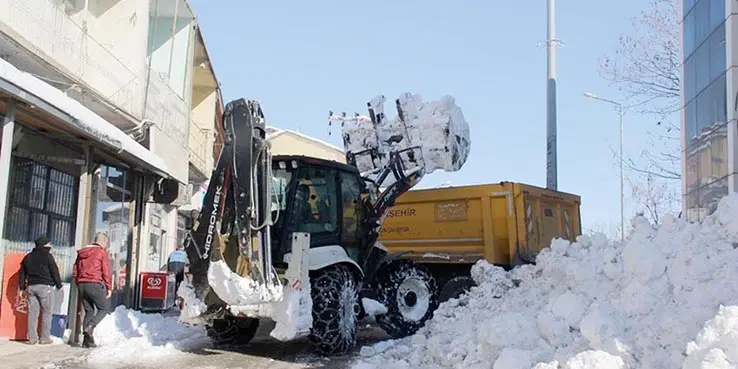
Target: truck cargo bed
[505, 224]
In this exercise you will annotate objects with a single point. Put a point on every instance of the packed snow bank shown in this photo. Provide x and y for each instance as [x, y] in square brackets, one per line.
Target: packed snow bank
[438, 127]
[236, 290]
[645, 303]
[127, 338]
[192, 307]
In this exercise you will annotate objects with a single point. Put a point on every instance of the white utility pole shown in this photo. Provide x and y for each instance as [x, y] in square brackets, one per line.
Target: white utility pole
[621, 113]
[551, 150]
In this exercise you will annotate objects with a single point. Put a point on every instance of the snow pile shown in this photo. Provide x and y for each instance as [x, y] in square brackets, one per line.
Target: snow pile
[192, 307]
[438, 127]
[127, 338]
[236, 290]
[716, 345]
[594, 304]
[373, 307]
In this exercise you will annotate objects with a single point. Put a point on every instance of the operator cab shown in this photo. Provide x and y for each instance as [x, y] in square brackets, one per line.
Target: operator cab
[324, 198]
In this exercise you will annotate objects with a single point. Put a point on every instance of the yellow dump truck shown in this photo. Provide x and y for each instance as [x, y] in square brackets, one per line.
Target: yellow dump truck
[449, 229]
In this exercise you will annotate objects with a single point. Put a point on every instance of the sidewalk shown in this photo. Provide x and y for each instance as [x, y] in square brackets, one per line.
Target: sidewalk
[14, 354]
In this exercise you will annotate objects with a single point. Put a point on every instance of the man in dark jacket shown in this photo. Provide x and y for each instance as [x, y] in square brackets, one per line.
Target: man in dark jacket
[92, 274]
[40, 271]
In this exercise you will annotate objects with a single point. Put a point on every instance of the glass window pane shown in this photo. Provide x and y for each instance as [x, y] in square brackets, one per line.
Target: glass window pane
[39, 225]
[317, 205]
[16, 224]
[711, 194]
[703, 112]
[692, 174]
[718, 154]
[717, 13]
[718, 101]
[351, 211]
[38, 191]
[702, 67]
[717, 53]
[689, 34]
[702, 21]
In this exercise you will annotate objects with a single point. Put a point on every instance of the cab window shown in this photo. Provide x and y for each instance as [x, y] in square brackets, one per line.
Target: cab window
[316, 205]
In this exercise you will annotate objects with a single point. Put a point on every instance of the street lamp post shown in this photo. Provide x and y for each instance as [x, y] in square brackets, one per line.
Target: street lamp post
[621, 113]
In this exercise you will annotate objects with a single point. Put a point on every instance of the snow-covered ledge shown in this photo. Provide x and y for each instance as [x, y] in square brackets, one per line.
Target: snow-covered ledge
[79, 118]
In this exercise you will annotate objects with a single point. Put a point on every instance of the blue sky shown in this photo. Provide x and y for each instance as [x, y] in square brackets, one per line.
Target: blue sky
[301, 59]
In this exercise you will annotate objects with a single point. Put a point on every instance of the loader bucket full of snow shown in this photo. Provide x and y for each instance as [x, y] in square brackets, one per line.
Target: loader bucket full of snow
[427, 136]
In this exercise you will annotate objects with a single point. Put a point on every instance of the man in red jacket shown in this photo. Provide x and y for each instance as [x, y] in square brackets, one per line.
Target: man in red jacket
[91, 272]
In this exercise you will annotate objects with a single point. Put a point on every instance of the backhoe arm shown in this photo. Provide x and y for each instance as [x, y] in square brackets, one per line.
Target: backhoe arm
[236, 204]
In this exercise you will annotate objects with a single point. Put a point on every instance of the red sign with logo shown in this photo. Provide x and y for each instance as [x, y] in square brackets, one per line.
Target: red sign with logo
[14, 308]
[154, 286]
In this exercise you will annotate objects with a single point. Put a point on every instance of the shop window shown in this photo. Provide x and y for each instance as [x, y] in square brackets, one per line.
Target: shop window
[43, 202]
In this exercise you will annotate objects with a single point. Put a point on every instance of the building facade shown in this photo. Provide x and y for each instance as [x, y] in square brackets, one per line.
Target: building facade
[709, 85]
[100, 102]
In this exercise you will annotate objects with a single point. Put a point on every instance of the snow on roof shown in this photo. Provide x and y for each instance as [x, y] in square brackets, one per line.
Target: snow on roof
[273, 132]
[84, 120]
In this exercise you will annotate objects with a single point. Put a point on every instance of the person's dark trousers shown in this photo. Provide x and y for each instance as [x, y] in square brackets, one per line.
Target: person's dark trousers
[95, 305]
[178, 270]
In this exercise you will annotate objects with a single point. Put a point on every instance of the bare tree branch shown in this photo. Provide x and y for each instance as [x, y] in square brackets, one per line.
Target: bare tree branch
[652, 198]
[645, 68]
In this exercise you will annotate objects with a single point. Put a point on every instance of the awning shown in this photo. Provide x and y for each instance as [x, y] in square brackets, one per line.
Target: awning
[80, 119]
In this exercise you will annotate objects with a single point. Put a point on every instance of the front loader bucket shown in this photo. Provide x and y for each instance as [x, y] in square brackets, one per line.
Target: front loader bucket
[230, 240]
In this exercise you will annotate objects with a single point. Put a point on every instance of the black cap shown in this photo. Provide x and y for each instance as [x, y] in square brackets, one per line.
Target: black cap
[41, 241]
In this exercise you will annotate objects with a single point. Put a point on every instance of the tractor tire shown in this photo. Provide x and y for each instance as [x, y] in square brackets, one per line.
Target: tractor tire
[232, 330]
[456, 287]
[410, 293]
[336, 310]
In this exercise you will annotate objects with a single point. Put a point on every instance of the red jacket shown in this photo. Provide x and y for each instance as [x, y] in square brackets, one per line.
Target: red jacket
[92, 266]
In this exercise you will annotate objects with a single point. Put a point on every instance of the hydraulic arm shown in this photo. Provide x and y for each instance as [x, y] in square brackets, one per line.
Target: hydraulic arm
[236, 206]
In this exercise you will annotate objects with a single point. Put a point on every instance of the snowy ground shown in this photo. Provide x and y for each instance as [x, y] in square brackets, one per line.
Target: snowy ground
[133, 340]
[666, 298]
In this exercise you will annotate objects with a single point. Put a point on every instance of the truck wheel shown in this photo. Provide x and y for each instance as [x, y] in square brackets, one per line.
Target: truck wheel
[456, 287]
[410, 293]
[335, 310]
[232, 330]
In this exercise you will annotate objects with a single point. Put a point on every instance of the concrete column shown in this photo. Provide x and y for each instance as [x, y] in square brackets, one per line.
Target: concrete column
[81, 237]
[6, 151]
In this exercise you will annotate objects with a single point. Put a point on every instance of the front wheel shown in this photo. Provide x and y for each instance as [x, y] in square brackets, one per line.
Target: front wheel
[410, 293]
[335, 310]
[232, 330]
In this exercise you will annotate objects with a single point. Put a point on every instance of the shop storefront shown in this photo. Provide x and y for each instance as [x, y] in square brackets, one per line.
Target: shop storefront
[66, 174]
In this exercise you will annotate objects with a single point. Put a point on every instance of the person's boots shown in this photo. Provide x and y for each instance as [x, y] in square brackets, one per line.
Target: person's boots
[87, 340]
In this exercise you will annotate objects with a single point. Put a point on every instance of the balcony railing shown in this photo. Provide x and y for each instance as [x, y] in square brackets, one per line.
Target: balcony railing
[55, 35]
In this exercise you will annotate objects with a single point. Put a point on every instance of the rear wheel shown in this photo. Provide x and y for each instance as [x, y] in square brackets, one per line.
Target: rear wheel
[232, 330]
[410, 293]
[335, 310]
[456, 287]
